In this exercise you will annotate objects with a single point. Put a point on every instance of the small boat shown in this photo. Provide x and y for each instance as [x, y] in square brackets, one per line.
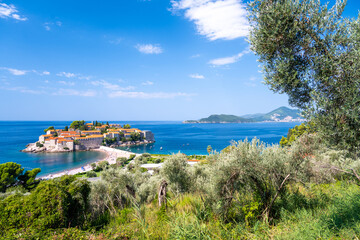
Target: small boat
[161, 148]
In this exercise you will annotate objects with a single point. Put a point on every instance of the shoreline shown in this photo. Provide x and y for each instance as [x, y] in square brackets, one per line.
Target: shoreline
[111, 155]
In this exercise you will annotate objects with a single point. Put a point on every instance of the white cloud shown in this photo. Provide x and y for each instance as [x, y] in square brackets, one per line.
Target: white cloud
[48, 25]
[66, 74]
[84, 77]
[10, 11]
[41, 73]
[116, 41]
[216, 19]
[73, 75]
[197, 76]
[14, 71]
[74, 92]
[147, 83]
[228, 60]
[149, 48]
[195, 56]
[21, 89]
[67, 83]
[110, 86]
[144, 95]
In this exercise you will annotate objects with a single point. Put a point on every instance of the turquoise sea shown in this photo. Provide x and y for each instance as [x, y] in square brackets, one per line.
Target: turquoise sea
[171, 137]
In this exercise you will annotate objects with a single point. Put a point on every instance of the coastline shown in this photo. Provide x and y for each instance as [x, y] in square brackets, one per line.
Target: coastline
[111, 155]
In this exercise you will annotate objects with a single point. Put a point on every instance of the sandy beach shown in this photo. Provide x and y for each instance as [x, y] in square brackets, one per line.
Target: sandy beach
[111, 155]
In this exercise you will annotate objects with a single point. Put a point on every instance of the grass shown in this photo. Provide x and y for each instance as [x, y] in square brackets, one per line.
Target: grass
[326, 211]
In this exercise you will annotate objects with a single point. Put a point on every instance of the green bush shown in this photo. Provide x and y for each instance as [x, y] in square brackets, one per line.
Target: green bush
[91, 174]
[12, 174]
[177, 173]
[122, 161]
[53, 204]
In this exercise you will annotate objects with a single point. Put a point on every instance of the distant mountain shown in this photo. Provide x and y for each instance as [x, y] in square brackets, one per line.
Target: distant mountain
[223, 118]
[277, 115]
[281, 114]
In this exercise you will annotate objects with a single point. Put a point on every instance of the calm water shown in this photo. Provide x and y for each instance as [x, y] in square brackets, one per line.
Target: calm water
[171, 136]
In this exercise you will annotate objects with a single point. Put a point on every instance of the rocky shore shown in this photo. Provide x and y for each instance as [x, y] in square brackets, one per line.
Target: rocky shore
[33, 148]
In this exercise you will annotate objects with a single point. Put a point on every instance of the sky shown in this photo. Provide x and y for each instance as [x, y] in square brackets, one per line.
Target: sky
[130, 60]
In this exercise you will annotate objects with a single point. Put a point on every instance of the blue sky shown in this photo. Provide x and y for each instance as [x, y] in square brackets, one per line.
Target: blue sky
[129, 60]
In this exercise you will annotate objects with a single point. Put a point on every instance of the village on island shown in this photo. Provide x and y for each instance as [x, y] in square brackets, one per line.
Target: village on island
[82, 136]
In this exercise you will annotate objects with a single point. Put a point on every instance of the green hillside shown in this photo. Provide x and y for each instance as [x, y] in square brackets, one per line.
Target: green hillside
[279, 113]
[282, 112]
[224, 118]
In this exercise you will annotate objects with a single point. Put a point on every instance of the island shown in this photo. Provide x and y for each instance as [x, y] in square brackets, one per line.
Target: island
[281, 114]
[82, 136]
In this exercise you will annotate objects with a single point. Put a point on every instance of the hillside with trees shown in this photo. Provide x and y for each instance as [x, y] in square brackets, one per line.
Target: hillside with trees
[279, 114]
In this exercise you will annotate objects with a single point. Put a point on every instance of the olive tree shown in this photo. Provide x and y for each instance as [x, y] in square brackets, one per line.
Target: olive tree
[311, 53]
[176, 172]
[252, 168]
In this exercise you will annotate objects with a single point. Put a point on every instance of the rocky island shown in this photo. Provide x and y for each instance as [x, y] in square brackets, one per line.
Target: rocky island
[82, 136]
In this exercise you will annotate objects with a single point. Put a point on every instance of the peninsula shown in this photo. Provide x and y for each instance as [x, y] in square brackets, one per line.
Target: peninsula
[282, 114]
[82, 136]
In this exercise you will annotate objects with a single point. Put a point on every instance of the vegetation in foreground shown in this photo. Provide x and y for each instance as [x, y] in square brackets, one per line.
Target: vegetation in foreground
[249, 190]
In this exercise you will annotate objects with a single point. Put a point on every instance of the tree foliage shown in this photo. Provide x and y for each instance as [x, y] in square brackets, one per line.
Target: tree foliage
[78, 125]
[135, 136]
[53, 204]
[296, 132]
[12, 174]
[310, 52]
[9, 173]
[252, 168]
[176, 171]
[49, 128]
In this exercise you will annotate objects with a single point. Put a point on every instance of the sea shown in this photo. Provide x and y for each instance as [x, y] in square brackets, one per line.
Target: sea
[171, 137]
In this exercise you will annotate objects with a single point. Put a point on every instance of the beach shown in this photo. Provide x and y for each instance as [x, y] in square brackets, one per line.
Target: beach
[111, 155]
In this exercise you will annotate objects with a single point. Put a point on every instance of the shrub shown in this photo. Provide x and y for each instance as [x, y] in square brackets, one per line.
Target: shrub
[12, 174]
[262, 172]
[103, 165]
[91, 174]
[39, 145]
[121, 161]
[57, 203]
[176, 171]
[93, 166]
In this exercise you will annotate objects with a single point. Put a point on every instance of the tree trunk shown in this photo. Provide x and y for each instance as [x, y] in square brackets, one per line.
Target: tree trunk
[162, 194]
[268, 208]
